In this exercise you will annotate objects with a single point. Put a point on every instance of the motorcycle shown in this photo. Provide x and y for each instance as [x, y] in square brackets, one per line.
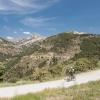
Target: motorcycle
[71, 78]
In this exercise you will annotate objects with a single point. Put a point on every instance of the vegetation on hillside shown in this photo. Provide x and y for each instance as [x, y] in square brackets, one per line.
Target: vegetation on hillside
[90, 47]
[50, 58]
[61, 42]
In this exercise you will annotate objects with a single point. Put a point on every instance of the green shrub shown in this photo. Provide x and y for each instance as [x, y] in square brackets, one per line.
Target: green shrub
[13, 80]
[84, 64]
[2, 69]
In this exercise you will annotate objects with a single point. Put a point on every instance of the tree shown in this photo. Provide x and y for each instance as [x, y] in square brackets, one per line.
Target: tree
[2, 69]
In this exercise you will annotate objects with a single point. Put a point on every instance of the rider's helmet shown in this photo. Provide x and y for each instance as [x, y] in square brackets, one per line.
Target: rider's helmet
[72, 69]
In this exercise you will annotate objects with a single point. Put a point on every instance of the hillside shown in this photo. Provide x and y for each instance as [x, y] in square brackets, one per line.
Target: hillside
[47, 59]
[7, 49]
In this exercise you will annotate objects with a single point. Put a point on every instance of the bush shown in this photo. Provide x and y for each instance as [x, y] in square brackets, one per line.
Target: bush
[13, 80]
[84, 64]
[2, 69]
[98, 64]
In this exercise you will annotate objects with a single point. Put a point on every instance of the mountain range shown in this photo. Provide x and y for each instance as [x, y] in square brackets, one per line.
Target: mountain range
[43, 58]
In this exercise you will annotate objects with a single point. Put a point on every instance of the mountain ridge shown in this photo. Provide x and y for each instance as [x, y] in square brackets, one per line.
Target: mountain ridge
[48, 58]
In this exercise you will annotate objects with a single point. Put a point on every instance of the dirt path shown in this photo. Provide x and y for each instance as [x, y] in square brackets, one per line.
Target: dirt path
[33, 88]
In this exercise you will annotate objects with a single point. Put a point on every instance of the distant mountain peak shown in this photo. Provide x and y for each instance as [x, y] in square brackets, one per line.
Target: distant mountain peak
[30, 39]
[76, 32]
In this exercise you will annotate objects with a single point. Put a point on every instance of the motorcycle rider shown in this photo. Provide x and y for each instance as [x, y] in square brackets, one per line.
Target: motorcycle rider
[71, 73]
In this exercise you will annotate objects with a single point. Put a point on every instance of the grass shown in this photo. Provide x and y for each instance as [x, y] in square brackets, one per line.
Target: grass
[89, 91]
[23, 82]
[6, 84]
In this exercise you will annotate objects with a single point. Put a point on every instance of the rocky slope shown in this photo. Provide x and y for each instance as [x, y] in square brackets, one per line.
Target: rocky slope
[29, 40]
[48, 58]
[7, 49]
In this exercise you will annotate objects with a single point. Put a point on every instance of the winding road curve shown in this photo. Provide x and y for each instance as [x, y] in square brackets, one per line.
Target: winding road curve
[33, 88]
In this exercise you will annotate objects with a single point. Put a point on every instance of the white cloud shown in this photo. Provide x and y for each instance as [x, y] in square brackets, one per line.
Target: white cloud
[37, 22]
[24, 6]
[10, 38]
[27, 33]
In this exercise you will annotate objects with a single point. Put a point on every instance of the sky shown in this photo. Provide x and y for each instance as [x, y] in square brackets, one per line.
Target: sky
[22, 18]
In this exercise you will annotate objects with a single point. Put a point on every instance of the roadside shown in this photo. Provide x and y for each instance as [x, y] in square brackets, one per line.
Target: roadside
[33, 88]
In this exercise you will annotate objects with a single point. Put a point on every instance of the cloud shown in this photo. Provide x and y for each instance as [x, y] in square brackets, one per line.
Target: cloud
[36, 22]
[24, 6]
[10, 38]
[27, 33]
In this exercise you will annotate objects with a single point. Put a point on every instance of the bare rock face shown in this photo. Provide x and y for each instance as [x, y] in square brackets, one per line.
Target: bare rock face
[30, 40]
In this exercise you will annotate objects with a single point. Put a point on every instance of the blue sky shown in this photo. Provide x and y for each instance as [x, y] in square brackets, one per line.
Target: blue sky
[20, 18]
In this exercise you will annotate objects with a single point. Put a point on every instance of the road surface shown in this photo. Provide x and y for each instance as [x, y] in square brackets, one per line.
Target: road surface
[33, 88]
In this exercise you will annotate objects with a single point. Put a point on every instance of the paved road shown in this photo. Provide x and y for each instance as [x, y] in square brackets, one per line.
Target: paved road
[33, 88]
